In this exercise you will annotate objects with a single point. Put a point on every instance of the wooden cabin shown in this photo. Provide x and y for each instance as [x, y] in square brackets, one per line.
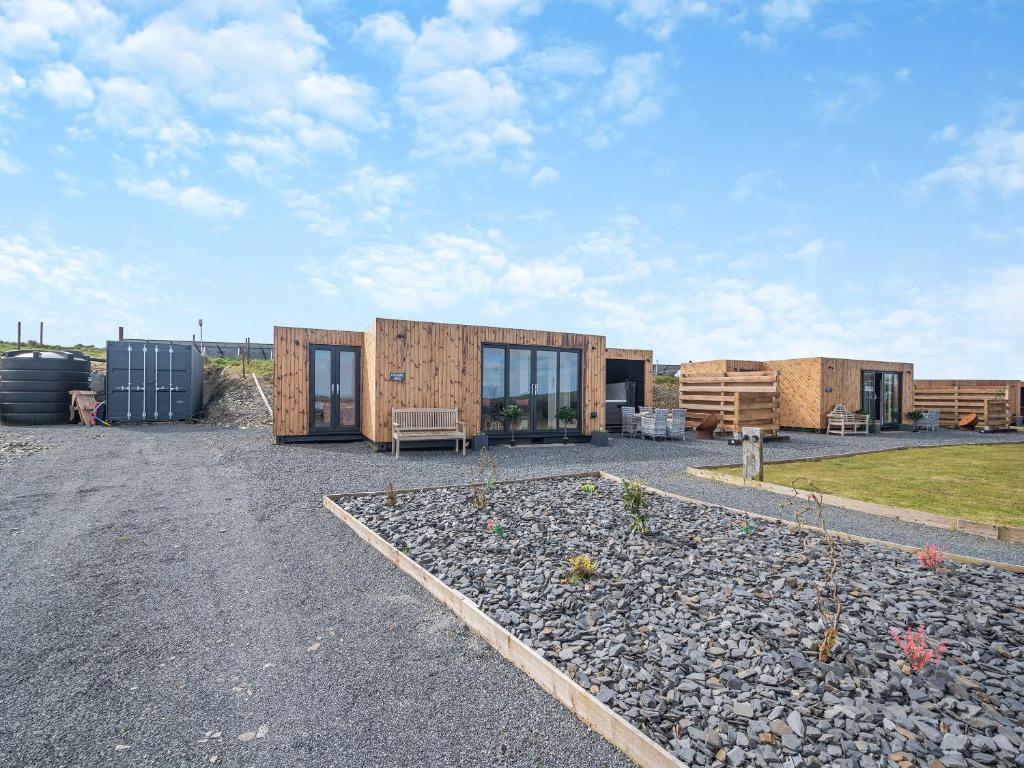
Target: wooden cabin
[810, 387]
[342, 385]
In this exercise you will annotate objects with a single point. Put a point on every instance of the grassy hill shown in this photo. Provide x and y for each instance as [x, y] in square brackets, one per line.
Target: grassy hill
[97, 353]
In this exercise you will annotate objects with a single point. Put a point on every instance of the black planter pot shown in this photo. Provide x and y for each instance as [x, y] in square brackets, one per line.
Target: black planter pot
[480, 441]
[599, 439]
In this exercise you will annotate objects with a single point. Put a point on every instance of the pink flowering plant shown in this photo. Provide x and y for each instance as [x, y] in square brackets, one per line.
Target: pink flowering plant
[494, 527]
[931, 557]
[917, 652]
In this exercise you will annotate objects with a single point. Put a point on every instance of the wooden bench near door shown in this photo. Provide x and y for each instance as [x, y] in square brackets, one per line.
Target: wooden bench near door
[422, 424]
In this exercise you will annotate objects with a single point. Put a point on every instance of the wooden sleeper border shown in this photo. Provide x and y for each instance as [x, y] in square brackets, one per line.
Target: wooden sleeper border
[614, 728]
[987, 530]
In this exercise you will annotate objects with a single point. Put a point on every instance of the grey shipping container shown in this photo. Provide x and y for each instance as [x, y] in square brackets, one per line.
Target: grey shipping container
[153, 381]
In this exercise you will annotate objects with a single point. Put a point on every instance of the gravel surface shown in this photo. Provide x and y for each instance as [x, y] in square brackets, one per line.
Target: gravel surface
[151, 573]
[706, 637]
[235, 401]
[165, 594]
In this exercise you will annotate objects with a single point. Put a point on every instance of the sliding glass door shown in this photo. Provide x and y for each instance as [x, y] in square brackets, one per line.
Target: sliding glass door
[540, 380]
[882, 397]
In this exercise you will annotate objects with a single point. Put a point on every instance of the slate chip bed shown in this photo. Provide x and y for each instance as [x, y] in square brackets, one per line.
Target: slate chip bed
[706, 638]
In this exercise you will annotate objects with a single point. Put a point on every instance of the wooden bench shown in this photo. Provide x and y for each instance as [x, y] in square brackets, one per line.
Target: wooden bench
[419, 424]
[842, 422]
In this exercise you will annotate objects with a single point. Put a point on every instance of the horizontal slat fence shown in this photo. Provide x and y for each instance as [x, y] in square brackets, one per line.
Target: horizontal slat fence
[954, 401]
[740, 399]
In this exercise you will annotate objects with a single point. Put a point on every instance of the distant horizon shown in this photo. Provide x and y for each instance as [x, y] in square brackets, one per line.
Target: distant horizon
[745, 180]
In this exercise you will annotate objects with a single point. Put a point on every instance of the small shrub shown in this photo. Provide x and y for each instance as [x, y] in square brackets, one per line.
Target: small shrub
[566, 414]
[514, 414]
[744, 526]
[494, 527]
[915, 648]
[581, 568]
[588, 487]
[392, 495]
[931, 557]
[915, 416]
[637, 504]
[486, 477]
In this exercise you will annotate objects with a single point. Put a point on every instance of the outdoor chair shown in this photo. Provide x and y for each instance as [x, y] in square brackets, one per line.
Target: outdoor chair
[930, 421]
[629, 419]
[654, 425]
[706, 429]
[677, 429]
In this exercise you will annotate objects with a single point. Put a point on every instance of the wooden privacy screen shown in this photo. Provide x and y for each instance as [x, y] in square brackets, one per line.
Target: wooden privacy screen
[740, 399]
[954, 401]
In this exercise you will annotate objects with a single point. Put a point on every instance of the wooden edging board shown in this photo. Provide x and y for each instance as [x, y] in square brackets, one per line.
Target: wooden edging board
[618, 731]
[986, 530]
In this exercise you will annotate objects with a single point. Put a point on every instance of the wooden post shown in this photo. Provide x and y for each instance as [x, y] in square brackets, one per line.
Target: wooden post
[753, 453]
[736, 414]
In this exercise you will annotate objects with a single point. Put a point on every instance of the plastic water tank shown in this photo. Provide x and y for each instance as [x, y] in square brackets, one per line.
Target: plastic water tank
[35, 386]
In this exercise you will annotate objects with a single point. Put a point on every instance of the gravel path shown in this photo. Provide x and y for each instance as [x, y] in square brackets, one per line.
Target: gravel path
[153, 573]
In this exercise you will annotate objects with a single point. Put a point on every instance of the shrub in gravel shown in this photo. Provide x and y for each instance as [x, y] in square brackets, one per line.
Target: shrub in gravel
[637, 504]
[931, 557]
[587, 487]
[917, 651]
[493, 526]
[486, 477]
[581, 568]
[391, 495]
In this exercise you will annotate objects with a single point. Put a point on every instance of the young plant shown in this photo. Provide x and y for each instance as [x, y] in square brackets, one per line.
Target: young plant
[566, 414]
[513, 414]
[745, 528]
[587, 487]
[915, 648]
[637, 504]
[915, 416]
[496, 528]
[830, 605]
[391, 494]
[486, 477]
[581, 568]
[931, 557]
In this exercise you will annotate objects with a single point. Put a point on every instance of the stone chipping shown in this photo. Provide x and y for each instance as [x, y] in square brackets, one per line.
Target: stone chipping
[705, 637]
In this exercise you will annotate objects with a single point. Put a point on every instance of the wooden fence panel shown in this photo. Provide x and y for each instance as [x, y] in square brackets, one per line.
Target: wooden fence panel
[954, 401]
[741, 399]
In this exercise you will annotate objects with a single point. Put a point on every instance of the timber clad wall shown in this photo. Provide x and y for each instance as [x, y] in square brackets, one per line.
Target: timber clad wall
[291, 374]
[441, 364]
[955, 397]
[803, 400]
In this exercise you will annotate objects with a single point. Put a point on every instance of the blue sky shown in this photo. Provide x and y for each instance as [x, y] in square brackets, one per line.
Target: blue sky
[710, 179]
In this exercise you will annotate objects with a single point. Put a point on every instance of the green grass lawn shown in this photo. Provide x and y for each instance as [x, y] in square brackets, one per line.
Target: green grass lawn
[974, 482]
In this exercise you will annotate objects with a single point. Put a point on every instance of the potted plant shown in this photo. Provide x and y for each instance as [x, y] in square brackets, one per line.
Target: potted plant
[914, 417]
[599, 437]
[514, 414]
[566, 414]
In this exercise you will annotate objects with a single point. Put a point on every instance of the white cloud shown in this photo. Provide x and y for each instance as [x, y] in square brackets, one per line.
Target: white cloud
[8, 164]
[83, 293]
[70, 184]
[950, 132]
[780, 12]
[36, 26]
[544, 175]
[902, 75]
[194, 199]
[376, 191]
[564, 60]
[66, 86]
[633, 92]
[443, 269]
[489, 9]
[660, 18]
[994, 159]
[848, 99]
[751, 185]
[315, 213]
[10, 81]
[132, 107]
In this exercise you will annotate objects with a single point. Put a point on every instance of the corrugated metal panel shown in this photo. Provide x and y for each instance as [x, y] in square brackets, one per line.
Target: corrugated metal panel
[153, 381]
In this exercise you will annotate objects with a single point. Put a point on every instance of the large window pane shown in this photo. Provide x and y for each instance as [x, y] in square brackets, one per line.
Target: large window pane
[519, 384]
[569, 384]
[321, 388]
[349, 384]
[492, 396]
[547, 389]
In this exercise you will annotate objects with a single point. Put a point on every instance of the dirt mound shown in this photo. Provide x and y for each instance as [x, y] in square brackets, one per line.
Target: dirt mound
[233, 400]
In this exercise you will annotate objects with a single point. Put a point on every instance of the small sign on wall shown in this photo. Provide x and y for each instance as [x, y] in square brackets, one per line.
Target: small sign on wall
[396, 376]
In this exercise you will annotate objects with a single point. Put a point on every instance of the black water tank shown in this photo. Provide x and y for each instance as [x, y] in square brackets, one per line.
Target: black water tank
[35, 386]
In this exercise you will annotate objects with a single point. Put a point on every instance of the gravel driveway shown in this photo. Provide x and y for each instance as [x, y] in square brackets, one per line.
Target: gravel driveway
[165, 584]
